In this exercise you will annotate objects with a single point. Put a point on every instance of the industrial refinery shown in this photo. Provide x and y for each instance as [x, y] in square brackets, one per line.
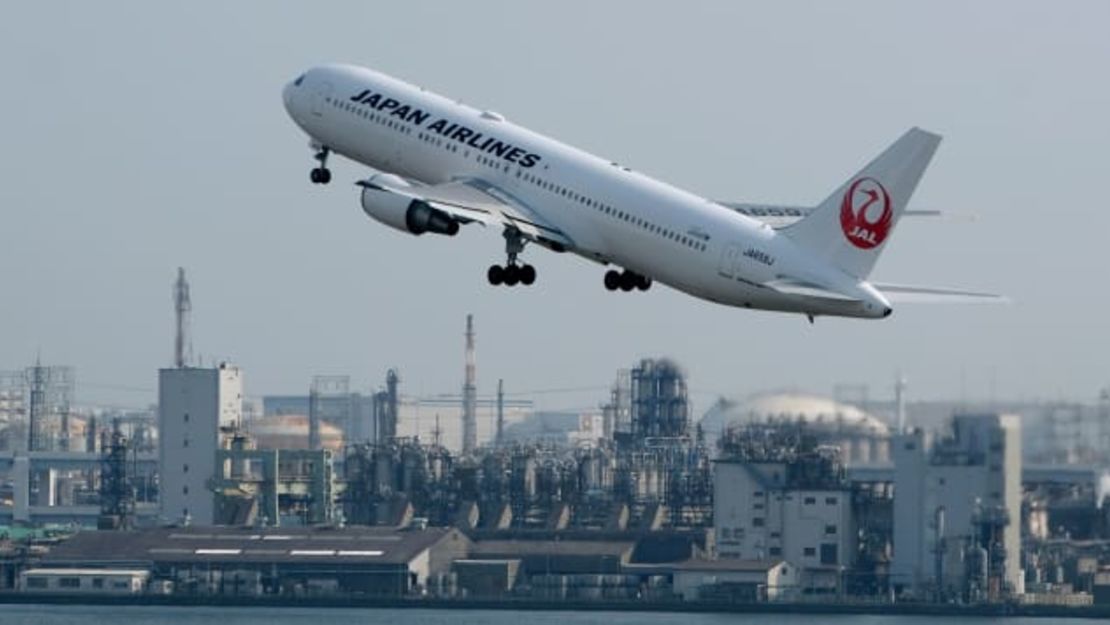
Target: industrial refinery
[771, 497]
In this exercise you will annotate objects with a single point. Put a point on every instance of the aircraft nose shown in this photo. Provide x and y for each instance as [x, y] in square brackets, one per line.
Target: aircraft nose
[287, 97]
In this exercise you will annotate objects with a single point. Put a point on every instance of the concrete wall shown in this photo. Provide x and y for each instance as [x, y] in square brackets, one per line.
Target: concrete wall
[756, 518]
[976, 469]
[910, 454]
[192, 406]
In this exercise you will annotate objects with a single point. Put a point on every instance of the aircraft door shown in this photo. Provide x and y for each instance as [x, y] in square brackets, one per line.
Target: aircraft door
[730, 257]
[320, 98]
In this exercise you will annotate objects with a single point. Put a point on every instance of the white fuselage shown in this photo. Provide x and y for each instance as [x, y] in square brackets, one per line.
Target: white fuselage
[610, 213]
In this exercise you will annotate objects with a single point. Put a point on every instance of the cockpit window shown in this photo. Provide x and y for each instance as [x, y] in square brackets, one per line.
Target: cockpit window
[299, 80]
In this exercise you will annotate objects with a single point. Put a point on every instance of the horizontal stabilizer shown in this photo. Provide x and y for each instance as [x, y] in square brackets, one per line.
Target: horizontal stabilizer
[926, 294]
[778, 216]
[945, 216]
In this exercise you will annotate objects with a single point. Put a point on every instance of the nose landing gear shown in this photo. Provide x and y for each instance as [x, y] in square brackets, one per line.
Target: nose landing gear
[321, 174]
[626, 281]
[512, 273]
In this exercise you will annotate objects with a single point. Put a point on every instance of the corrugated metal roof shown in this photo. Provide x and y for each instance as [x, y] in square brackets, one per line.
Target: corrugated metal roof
[727, 565]
[620, 549]
[347, 545]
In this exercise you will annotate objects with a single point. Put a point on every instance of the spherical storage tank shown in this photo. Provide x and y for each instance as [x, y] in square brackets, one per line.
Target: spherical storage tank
[861, 437]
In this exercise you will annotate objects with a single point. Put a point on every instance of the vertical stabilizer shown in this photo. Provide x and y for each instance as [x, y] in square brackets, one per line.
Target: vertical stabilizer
[850, 228]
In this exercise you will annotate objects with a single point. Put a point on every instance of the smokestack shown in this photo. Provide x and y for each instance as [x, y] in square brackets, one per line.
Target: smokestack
[470, 393]
[500, 440]
[390, 407]
[900, 401]
[313, 417]
[182, 305]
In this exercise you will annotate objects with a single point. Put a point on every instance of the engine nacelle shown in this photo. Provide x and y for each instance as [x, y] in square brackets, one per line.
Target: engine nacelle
[402, 213]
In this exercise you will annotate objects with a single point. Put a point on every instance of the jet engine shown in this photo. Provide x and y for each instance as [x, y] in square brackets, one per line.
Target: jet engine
[401, 212]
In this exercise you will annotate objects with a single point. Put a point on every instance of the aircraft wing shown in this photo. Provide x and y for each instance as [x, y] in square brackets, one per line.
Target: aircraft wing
[782, 216]
[473, 200]
[928, 294]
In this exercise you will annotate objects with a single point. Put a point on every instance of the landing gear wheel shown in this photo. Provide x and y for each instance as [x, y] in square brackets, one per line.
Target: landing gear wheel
[496, 274]
[628, 281]
[644, 283]
[512, 275]
[612, 280]
[527, 275]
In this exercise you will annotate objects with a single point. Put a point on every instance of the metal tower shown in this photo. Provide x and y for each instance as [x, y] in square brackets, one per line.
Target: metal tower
[49, 393]
[37, 379]
[117, 493]
[470, 394]
[182, 306]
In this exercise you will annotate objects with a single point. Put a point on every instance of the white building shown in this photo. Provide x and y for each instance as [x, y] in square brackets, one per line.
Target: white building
[957, 508]
[751, 580]
[84, 581]
[764, 511]
[193, 404]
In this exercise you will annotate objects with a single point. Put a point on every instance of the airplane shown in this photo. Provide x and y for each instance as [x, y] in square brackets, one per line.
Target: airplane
[440, 164]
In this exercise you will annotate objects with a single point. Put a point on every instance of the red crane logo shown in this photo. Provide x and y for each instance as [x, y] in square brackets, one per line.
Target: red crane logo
[865, 213]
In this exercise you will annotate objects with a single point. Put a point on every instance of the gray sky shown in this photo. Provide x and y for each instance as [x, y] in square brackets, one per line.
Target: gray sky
[142, 136]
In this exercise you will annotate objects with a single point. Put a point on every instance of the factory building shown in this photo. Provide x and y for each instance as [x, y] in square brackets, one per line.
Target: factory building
[194, 404]
[287, 561]
[779, 496]
[272, 487]
[957, 510]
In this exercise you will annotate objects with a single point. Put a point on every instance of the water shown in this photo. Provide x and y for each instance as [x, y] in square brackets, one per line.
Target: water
[115, 615]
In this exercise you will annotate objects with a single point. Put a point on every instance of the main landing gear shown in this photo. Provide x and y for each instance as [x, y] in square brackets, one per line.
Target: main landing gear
[626, 281]
[512, 273]
[321, 174]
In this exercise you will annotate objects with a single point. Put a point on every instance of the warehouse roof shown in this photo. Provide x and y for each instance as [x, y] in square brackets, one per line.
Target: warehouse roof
[515, 547]
[727, 565]
[364, 545]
